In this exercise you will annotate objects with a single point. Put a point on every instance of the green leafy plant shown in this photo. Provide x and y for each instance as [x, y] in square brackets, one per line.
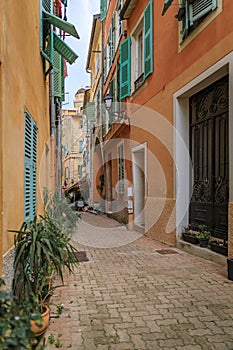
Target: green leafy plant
[41, 248]
[203, 232]
[59, 211]
[15, 326]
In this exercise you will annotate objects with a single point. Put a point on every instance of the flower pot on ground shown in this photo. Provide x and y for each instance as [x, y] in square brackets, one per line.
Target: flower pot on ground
[15, 326]
[189, 235]
[203, 236]
[39, 325]
[41, 248]
[219, 247]
[230, 269]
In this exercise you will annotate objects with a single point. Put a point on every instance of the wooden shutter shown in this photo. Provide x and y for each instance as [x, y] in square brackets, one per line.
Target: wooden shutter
[103, 9]
[58, 68]
[199, 8]
[148, 40]
[30, 160]
[125, 68]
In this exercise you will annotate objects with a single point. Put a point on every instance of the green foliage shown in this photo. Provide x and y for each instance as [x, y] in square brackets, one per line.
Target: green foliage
[40, 248]
[203, 232]
[15, 327]
[57, 208]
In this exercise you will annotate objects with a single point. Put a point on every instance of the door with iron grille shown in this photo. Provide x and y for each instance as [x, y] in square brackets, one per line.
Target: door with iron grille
[209, 149]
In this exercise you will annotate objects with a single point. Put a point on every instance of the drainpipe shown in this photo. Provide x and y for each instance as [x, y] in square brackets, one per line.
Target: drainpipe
[58, 143]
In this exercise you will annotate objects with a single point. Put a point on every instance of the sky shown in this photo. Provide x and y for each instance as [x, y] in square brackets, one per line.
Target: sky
[80, 13]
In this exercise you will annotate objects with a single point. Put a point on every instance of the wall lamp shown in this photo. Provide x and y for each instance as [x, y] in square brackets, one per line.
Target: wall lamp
[121, 115]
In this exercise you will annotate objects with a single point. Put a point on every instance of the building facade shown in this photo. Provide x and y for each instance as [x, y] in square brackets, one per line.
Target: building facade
[31, 90]
[175, 76]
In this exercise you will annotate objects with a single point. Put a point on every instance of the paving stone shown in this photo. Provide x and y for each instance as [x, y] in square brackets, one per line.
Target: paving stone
[131, 297]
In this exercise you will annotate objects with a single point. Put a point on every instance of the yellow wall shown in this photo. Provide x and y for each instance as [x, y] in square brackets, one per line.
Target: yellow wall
[22, 86]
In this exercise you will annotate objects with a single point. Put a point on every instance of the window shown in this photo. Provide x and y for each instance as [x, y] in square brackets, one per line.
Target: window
[103, 9]
[137, 66]
[136, 60]
[192, 13]
[119, 8]
[80, 171]
[80, 146]
[30, 160]
[121, 169]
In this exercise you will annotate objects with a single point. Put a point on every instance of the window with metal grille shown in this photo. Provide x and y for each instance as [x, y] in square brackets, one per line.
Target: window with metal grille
[30, 160]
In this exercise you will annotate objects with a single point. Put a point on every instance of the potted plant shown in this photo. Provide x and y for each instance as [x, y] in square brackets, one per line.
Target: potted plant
[189, 235]
[41, 249]
[230, 268]
[219, 246]
[15, 330]
[203, 236]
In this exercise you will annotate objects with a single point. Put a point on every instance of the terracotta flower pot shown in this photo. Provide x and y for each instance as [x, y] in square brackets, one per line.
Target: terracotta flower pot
[38, 327]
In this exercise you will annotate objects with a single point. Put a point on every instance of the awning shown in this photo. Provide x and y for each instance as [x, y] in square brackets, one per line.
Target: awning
[63, 49]
[166, 5]
[63, 25]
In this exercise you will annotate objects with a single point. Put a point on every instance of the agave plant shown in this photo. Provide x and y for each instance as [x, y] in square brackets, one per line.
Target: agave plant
[40, 249]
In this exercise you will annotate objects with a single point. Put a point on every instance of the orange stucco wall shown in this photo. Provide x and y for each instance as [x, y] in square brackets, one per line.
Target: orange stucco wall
[23, 86]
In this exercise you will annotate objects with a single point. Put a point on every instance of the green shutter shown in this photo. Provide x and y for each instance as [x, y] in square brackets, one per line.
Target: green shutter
[166, 5]
[60, 23]
[63, 49]
[103, 9]
[199, 8]
[148, 40]
[125, 68]
[57, 74]
[90, 112]
[30, 160]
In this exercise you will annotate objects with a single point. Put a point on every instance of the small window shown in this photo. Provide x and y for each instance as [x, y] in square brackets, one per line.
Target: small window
[193, 12]
[80, 146]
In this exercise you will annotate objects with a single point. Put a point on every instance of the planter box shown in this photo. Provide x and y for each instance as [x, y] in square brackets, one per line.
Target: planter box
[230, 269]
[189, 238]
[221, 249]
[203, 242]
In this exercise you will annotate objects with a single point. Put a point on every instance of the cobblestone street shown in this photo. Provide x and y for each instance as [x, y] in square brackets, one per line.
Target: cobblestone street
[135, 293]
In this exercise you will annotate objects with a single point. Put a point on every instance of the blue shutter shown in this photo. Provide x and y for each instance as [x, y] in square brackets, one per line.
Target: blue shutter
[148, 40]
[30, 159]
[80, 147]
[199, 8]
[166, 5]
[125, 68]
[103, 9]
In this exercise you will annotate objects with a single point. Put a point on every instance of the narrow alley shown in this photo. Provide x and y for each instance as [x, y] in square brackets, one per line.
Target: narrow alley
[138, 293]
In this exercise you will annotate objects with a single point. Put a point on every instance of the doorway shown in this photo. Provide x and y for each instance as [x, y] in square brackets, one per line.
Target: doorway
[139, 181]
[209, 152]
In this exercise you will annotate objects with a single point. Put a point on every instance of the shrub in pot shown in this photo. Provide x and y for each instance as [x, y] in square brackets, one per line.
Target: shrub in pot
[41, 249]
[189, 235]
[203, 236]
[15, 325]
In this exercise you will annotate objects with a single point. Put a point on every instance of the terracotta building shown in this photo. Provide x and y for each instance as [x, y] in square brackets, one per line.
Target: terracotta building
[175, 75]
